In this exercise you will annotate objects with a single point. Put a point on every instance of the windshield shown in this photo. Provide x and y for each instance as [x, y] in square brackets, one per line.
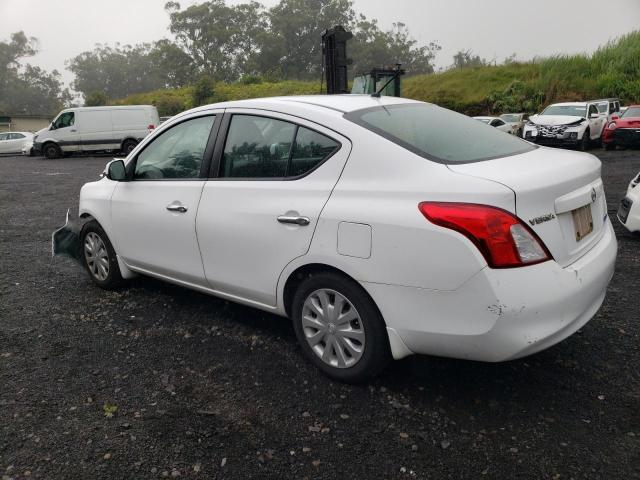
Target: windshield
[484, 120]
[438, 134]
[572, 110]
[631, 112]
[510, 117]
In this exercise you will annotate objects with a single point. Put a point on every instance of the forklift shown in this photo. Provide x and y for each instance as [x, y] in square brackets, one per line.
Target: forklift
[379, 81]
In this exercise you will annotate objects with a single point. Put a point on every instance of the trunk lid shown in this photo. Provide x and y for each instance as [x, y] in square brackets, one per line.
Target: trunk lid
[549, 184]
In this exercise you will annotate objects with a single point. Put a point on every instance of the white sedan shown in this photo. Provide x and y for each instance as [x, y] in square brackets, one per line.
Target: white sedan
[498, 123]
[382, 227]
[629, 211]
[15, 142]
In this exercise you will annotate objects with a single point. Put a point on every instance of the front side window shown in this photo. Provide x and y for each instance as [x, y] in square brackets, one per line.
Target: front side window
[262, 147]
[593, 110]
[438, 134]
[15, 136]
[67, 119]
[176, 153]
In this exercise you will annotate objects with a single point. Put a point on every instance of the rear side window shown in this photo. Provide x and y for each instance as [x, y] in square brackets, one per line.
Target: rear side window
[439, 134]
[262, 147]
[176, 153]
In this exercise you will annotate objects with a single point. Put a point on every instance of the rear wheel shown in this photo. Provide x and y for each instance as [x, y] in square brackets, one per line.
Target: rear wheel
[51, 150]
[99, 257]
[339, 328]
[128, 146]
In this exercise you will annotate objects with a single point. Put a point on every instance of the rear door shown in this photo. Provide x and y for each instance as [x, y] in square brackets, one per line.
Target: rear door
[274, 175]
[153, 215]
[4, 143]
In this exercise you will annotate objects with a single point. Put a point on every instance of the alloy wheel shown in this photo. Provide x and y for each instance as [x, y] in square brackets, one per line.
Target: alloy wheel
[96, 256]
[333, 328]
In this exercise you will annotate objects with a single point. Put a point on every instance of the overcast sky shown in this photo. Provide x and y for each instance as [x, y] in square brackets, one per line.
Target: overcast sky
[493, 29]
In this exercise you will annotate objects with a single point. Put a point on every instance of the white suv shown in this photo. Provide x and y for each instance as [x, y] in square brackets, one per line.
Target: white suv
[574, 124]
[370, 222]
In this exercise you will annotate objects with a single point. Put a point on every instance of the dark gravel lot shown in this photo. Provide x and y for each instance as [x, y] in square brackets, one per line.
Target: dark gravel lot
[208, 389]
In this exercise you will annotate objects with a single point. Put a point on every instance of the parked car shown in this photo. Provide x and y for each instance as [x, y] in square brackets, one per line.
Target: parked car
[608, 107]
[497, 123]
[14, 142]
[516, 120]
[623, 131]
[370, 222]
[629, 210]
[574, 124]
[91, 129]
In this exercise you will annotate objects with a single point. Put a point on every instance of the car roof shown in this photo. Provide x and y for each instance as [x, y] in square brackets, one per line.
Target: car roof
[24, 133]
[571, 104]
[342, 103]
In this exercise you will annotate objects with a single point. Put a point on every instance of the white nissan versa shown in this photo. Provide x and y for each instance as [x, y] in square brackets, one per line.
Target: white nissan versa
[381, 226]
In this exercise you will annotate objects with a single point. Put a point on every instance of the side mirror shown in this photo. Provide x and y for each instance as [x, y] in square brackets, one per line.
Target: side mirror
[116, 170]
[594, 115]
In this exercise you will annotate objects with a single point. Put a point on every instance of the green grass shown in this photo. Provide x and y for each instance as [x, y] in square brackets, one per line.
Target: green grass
[612, 70]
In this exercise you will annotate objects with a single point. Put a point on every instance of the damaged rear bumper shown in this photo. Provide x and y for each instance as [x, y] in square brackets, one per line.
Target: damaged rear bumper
[66, 240]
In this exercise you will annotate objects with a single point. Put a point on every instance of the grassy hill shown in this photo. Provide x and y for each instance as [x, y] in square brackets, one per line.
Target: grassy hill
[613, 70]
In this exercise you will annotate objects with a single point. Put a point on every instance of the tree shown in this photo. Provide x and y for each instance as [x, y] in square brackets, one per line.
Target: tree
[373, 47]
[203, 90]
[466, 59]
[291, 43]
[219, 38]
[96, 99]
[25, 88]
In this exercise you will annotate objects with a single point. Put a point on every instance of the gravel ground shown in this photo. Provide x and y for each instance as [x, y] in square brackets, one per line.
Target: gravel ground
[158, 381]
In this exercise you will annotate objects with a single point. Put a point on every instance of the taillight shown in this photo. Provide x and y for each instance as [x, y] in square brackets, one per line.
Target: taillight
[151, 126]
[501, 237]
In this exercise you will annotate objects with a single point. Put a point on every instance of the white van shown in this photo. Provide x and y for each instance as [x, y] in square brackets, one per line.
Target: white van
[89, 129]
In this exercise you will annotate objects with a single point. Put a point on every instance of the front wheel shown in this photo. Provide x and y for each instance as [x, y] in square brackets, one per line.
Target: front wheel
[586, 140]
[99, 258]
[339, 328]
[51, 151]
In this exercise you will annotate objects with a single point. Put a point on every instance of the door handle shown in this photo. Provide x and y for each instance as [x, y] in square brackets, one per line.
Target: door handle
[73, 130]
[302, 221]
[176, 207]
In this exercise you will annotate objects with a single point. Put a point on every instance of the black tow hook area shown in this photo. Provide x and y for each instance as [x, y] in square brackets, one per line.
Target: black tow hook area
[66, 240]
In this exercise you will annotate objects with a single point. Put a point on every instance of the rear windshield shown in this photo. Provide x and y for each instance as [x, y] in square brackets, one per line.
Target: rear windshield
[438, 134]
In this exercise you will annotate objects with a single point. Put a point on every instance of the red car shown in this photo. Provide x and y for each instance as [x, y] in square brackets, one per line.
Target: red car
[623, 131]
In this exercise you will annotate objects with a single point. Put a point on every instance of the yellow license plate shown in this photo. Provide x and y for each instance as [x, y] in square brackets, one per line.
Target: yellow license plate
[582, 222]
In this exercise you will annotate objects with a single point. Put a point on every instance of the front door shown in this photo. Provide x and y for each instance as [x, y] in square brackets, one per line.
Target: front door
[66, 132]
[153, 214]
[275, 175]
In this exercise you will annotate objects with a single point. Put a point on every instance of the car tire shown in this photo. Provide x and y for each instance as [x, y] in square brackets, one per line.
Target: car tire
[351, 352]
[585, 141]
[128, 146]
[51, 151]
[99, 258]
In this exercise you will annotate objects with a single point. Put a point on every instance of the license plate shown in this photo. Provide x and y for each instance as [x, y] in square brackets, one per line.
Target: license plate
[582, 222]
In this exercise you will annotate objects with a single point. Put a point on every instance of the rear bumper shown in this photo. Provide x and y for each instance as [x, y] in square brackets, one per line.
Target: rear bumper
[504, 314]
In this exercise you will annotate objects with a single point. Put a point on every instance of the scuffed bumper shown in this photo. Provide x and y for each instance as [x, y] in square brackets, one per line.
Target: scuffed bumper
[66, 240]
[501, 314]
